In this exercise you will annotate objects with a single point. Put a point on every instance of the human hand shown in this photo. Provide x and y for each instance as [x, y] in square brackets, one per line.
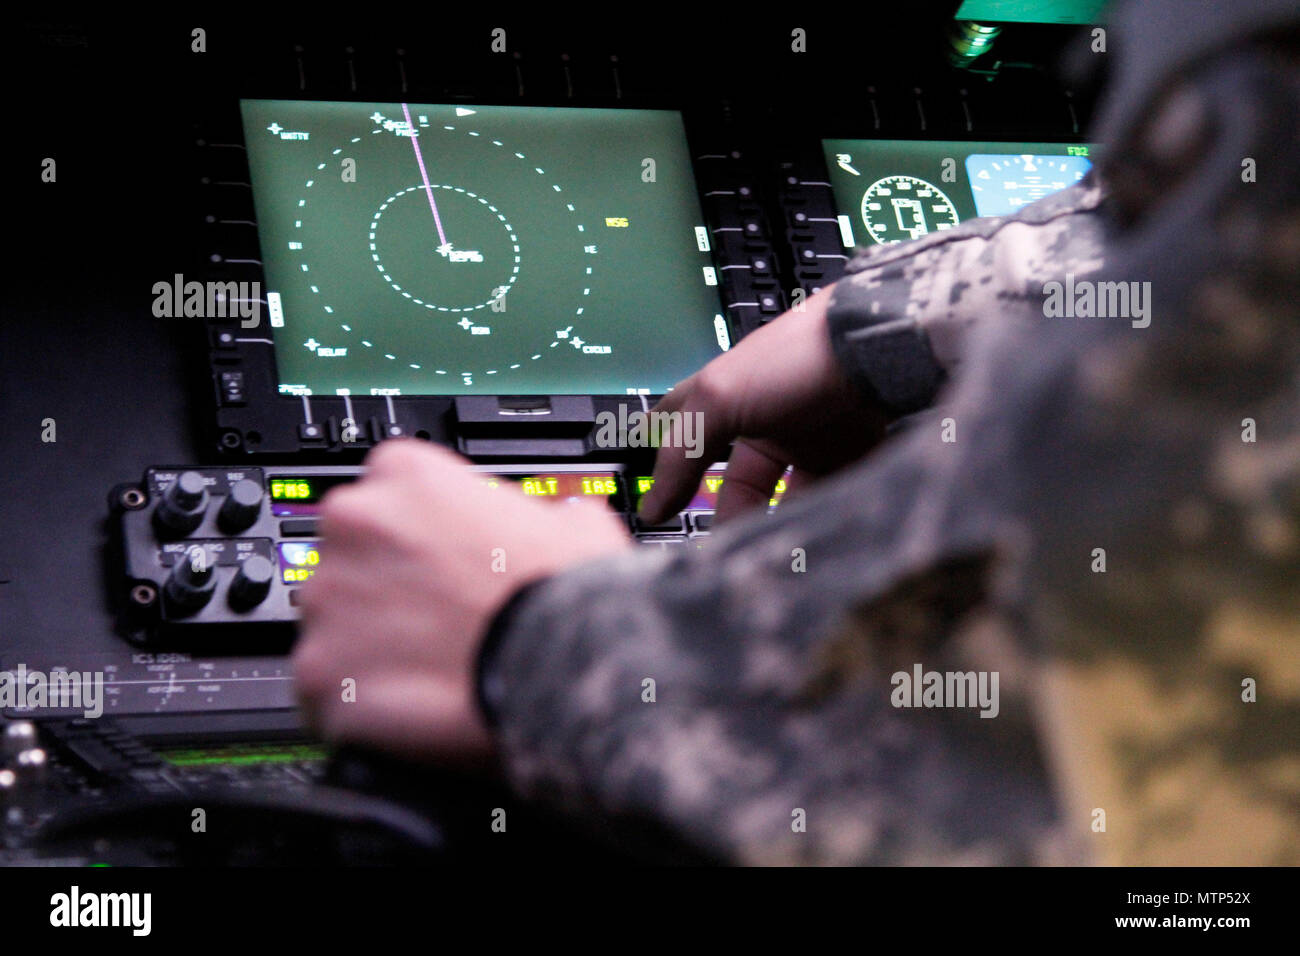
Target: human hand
[418, 557]
[782, 397]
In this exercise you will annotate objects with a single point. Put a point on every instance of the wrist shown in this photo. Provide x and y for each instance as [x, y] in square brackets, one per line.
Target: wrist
[889, 361]
[489, 689]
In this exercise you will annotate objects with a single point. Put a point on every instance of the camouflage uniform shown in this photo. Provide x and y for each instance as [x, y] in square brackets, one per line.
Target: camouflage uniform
[772, 737]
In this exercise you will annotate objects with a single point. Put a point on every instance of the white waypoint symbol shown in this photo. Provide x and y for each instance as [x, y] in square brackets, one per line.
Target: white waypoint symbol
[461, 111]
[274, 128]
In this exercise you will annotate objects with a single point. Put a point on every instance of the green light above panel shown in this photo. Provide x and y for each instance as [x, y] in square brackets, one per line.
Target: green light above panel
[1032, 11]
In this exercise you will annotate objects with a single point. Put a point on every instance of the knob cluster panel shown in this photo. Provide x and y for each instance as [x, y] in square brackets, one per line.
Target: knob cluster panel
[205, 548]
[200, 547]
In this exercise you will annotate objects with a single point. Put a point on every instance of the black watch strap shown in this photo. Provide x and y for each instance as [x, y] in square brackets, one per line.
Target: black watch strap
[489, 688]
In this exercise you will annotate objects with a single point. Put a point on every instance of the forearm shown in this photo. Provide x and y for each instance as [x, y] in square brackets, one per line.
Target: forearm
[768, 733]
[900, 319]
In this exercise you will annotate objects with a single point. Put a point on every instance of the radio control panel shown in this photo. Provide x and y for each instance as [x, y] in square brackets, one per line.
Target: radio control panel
[207, 546]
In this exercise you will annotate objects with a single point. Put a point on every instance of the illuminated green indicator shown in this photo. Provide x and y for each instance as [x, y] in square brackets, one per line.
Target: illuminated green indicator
[241, 755]
[1032, 11]
[565, 486]
[776, 493]
[290, 490]
[541, 486]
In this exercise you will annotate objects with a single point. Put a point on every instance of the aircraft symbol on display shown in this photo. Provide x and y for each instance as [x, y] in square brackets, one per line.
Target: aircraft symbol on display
[459, 255]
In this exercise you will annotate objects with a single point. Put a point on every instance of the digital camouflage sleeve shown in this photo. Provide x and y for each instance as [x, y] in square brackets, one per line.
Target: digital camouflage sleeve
[901, 318]
[1103, 512]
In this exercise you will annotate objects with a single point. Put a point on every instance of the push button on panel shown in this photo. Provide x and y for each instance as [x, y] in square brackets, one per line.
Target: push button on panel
[671, 526]
[299, 527]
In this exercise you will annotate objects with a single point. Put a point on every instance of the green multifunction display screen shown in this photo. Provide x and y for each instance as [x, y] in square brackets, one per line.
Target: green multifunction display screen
[241, 754]
[414, 249]
[893, 190]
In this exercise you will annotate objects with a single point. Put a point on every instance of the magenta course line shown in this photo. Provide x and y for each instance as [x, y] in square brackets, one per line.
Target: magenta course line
[415, 141]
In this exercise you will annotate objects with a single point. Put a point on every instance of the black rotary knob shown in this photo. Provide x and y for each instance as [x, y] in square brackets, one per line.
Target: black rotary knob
[243, 506]
[181, 508]
[190, 585]
[252, 583]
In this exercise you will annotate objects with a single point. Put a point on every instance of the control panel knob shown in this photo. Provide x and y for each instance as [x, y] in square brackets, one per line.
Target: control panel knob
[242, 506]
[192, 581]
[9, 797]
[30, 767]
[252, 583]
[181, 508]
[28, 784]
[8, 786]
[18, 736]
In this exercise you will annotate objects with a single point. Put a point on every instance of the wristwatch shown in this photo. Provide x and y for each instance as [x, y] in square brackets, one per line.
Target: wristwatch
[489, 687]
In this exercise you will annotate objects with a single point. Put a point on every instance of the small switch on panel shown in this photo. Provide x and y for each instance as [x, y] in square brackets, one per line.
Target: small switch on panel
[232, 388]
